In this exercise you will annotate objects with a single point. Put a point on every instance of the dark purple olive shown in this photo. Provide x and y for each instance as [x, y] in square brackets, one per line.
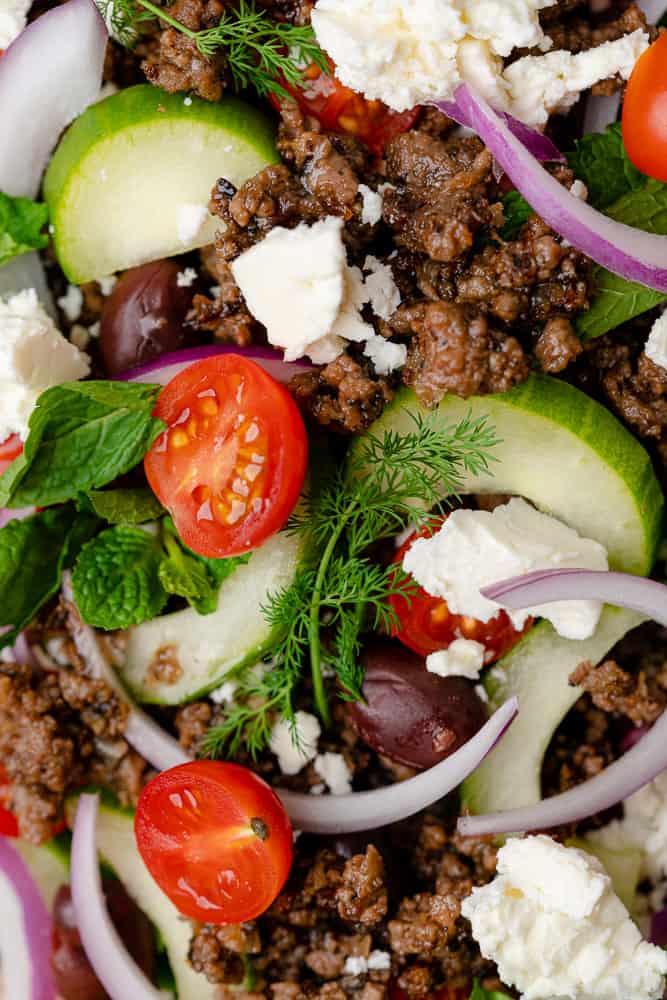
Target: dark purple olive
[75, 979]
[410, 715]
[144, 316]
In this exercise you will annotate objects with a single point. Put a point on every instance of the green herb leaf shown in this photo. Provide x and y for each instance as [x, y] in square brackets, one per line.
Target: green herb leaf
[616, 300]
[479, 993]
[116, 579]
[21, 227]
[126, 506]
[194, 577]
[517, 211]
[33, 554]
[600, 161]
[82, 435]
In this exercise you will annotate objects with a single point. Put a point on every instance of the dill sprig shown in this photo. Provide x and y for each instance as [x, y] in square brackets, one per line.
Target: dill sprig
[390, 480]
[259, 51]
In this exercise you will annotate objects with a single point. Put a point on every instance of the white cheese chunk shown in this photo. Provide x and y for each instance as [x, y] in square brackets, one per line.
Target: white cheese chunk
[34, 356]
[379, 961]
[333, 770]
[381, 289]
[224, 694]
[656, 345]
[385, 355]
[108, 284]
[541, 85]
[186, 278]
[405, 52]
[190, 221]
[295, 749]
[13, 19]
[371, 208]
[462, 658]
[475, 548]
[644, 826]
[71, 303]
[555, 928]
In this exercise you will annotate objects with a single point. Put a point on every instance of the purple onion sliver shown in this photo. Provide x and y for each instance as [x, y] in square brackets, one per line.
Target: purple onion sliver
[658, 934]
[624, 250]
[538, 144]
[633, 736]
[36, 931]
[640, 764]
[166, 367]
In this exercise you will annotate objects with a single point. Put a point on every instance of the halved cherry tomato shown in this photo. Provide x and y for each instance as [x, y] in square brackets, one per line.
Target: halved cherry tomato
[10, 449]
[340, 109]
[644, 118]
[216, 839]
[231, 463]
[428, 625]
[8, 824]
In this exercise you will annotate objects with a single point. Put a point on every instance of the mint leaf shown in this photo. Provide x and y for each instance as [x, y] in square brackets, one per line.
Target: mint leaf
[116, 578]
[600, 161]
[516, 211]
[82, 435]
[194, 577]
[126, 506]
[33, 554]
[21, 227]
[479, 993]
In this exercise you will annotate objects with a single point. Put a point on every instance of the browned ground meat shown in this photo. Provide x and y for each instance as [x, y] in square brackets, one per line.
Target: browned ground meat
[177, 64]
[615, 690]
[344, 395]
[578, 33]
[557, 345]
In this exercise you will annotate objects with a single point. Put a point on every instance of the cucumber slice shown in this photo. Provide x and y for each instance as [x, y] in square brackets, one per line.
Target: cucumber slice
[120, 183]
[209, 646]
[117, 846]
[537, 671]
[568, 455]
[622, 867]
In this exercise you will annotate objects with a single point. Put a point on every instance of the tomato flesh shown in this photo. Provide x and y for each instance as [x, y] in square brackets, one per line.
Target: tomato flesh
[340, 109]
[427, 625]
[231, 464]
[10, 449]
[644, 120]
[216, 839]
[8, 824]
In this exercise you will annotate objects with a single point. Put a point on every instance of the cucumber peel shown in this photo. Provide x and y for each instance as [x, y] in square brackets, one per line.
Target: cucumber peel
[127, 167]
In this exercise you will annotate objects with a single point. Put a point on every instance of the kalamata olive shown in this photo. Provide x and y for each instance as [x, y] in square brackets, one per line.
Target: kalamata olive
[410, 715]
[75, 979]
[144, 316]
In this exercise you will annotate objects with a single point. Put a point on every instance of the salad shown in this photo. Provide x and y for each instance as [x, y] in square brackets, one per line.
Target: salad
[333, 447]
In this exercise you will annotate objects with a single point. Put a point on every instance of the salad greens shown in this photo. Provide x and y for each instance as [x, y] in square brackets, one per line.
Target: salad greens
[82, 435]
[259, 51]
[389, 481]
[124, 506]
[517, 211]
[479, 993]
[600, 161]
[22, 224]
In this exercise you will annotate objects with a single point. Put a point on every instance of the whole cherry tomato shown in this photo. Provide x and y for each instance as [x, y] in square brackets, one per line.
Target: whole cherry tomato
[644, 119]
[340, 109]
[10, 449]
[231, 463]
[216, 839]
[427, 624]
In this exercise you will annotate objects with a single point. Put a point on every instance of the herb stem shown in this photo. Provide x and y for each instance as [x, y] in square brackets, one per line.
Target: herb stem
[159, 13]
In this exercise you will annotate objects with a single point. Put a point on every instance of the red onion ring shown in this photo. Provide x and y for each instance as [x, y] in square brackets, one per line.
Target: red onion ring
[166, 367]
[114, 967]
[626, 251]
[640, 764]
[327, 814]
[48, 76]
[658, 934]
[535, 142]
[25, 943]
[601, 110]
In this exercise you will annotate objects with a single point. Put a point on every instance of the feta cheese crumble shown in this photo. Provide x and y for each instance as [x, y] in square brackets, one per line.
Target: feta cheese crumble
[371, 208]
[295, 749]
[462, 658]
[71, 303]
[475, 548]
[644, 826]
[555, 928]
[656, 345]
[34, 356]
[190, 222]
[333, 770]
[13, 19]
[107, 284]
[224, 694]
[186, 278]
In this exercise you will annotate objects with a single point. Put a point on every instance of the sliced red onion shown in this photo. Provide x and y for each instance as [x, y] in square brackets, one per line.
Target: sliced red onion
[370, 810]
[114, 967]
[653, 9]
[165, 368]
[601, 111]
[25, 931]
[7, 514]
[638, 765]
[48, 76]
[535, 142]
[658, 934]
[622, 249]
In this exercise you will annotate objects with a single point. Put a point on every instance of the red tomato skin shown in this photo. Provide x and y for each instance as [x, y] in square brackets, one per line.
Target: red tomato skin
[10, 449]
[644, 118]
[427, 625]
[243, 389]
[194, 829]
[8, 823]
[340, 109]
